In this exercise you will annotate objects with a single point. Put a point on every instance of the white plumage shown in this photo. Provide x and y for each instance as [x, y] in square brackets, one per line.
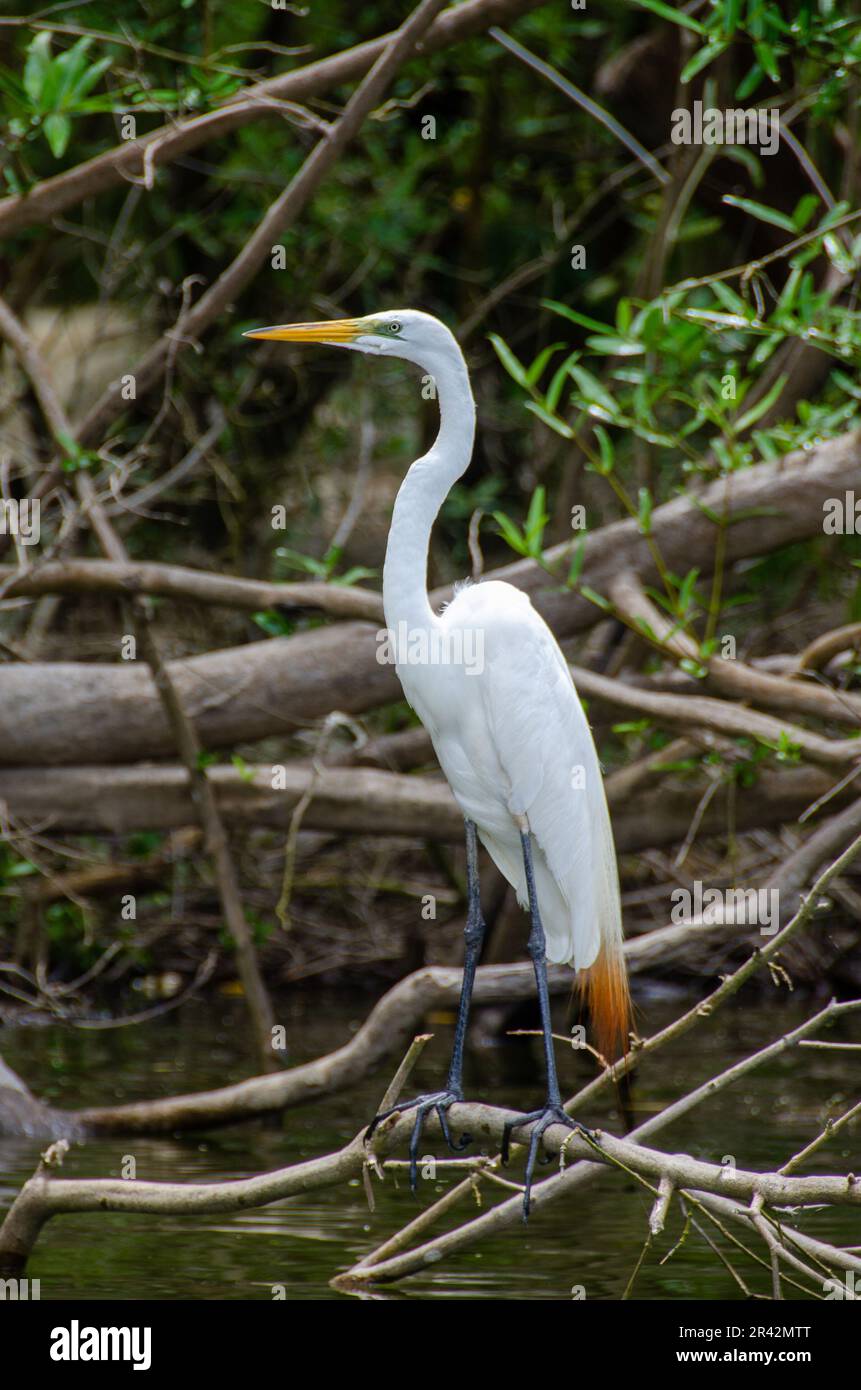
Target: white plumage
[513, 741]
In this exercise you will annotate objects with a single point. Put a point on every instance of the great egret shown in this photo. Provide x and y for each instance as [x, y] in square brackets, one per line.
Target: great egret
[507, 727]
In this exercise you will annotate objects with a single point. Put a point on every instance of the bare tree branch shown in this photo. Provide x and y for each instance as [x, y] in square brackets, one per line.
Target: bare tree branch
[188, 585]
[129, 159]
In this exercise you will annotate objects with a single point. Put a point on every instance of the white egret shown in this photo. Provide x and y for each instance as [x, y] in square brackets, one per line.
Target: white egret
[507, 726]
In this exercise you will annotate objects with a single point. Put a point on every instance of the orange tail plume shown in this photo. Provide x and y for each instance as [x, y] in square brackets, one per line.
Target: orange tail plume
[605, 986]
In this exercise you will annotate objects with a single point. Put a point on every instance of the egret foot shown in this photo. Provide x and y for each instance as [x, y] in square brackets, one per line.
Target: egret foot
[423, 1105]
[552, 1114]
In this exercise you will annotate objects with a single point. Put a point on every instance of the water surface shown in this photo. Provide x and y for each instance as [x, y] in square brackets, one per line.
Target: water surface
[592, 1240]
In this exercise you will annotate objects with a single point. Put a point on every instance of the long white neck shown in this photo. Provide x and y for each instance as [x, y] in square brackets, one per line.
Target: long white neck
[421, 495]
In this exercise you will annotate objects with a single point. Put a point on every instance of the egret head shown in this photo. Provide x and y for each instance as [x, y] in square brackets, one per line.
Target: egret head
[407, 333]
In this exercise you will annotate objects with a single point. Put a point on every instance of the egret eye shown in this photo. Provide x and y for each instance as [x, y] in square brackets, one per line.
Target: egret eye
[394, 327]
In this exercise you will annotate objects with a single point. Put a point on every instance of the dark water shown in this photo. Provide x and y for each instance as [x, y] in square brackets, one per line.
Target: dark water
[593, 1239]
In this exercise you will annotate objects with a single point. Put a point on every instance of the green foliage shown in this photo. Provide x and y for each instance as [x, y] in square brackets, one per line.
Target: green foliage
[773, 33]
[676, 370]
[14, 866]
[324, 569]
[54, 89]
[528, 540]
[274, 624]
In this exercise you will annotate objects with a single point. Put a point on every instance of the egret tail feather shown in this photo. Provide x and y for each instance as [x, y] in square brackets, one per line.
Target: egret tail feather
[605, 986]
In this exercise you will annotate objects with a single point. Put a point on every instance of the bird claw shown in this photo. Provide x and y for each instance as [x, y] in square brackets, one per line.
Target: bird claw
[541, 1120]
[423, 1106]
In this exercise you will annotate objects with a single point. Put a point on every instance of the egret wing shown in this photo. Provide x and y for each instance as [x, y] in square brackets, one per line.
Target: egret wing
[545, 747]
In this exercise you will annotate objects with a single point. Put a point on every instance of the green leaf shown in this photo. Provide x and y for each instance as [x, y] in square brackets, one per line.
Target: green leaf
[722, 320]
[703, 58]
[674, 16]
[592, 390]
[804, 210]
[68, 442]
[686, 592]
[619, 347]
[536, 370]
[833, 215]
[760, 211]
[749, 161]
[731, 16]
[37, 65]
[766, 348]
[730, 300]
[91, 77]
[749, 82]
[757, 411]
[57, 130]
[71, 67]
[274, 624]
[644, 511]
[554, 390]
[838, 255]
[353, 575]
[515, 369]
[790, 290]
[847, 384]
[582, 319]
[597, 599]
[577, 559]
[536, 519]
[767, 59]
[666, 441]
[605, 444]
[308, 563]
[22, 869]
[550, 420]
[245, 772]
[511, 533]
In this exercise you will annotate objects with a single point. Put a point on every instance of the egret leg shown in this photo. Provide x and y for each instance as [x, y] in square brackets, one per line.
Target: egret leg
[474, 934]
[552, 1112]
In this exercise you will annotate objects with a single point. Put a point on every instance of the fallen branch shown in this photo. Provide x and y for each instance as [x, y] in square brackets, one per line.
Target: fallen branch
[729, 676]
[830, 644]
[67, 712]
[367, 801]
[721, 716]
[188, 585]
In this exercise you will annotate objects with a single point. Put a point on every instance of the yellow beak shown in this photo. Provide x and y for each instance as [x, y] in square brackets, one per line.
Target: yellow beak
[335, 331]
